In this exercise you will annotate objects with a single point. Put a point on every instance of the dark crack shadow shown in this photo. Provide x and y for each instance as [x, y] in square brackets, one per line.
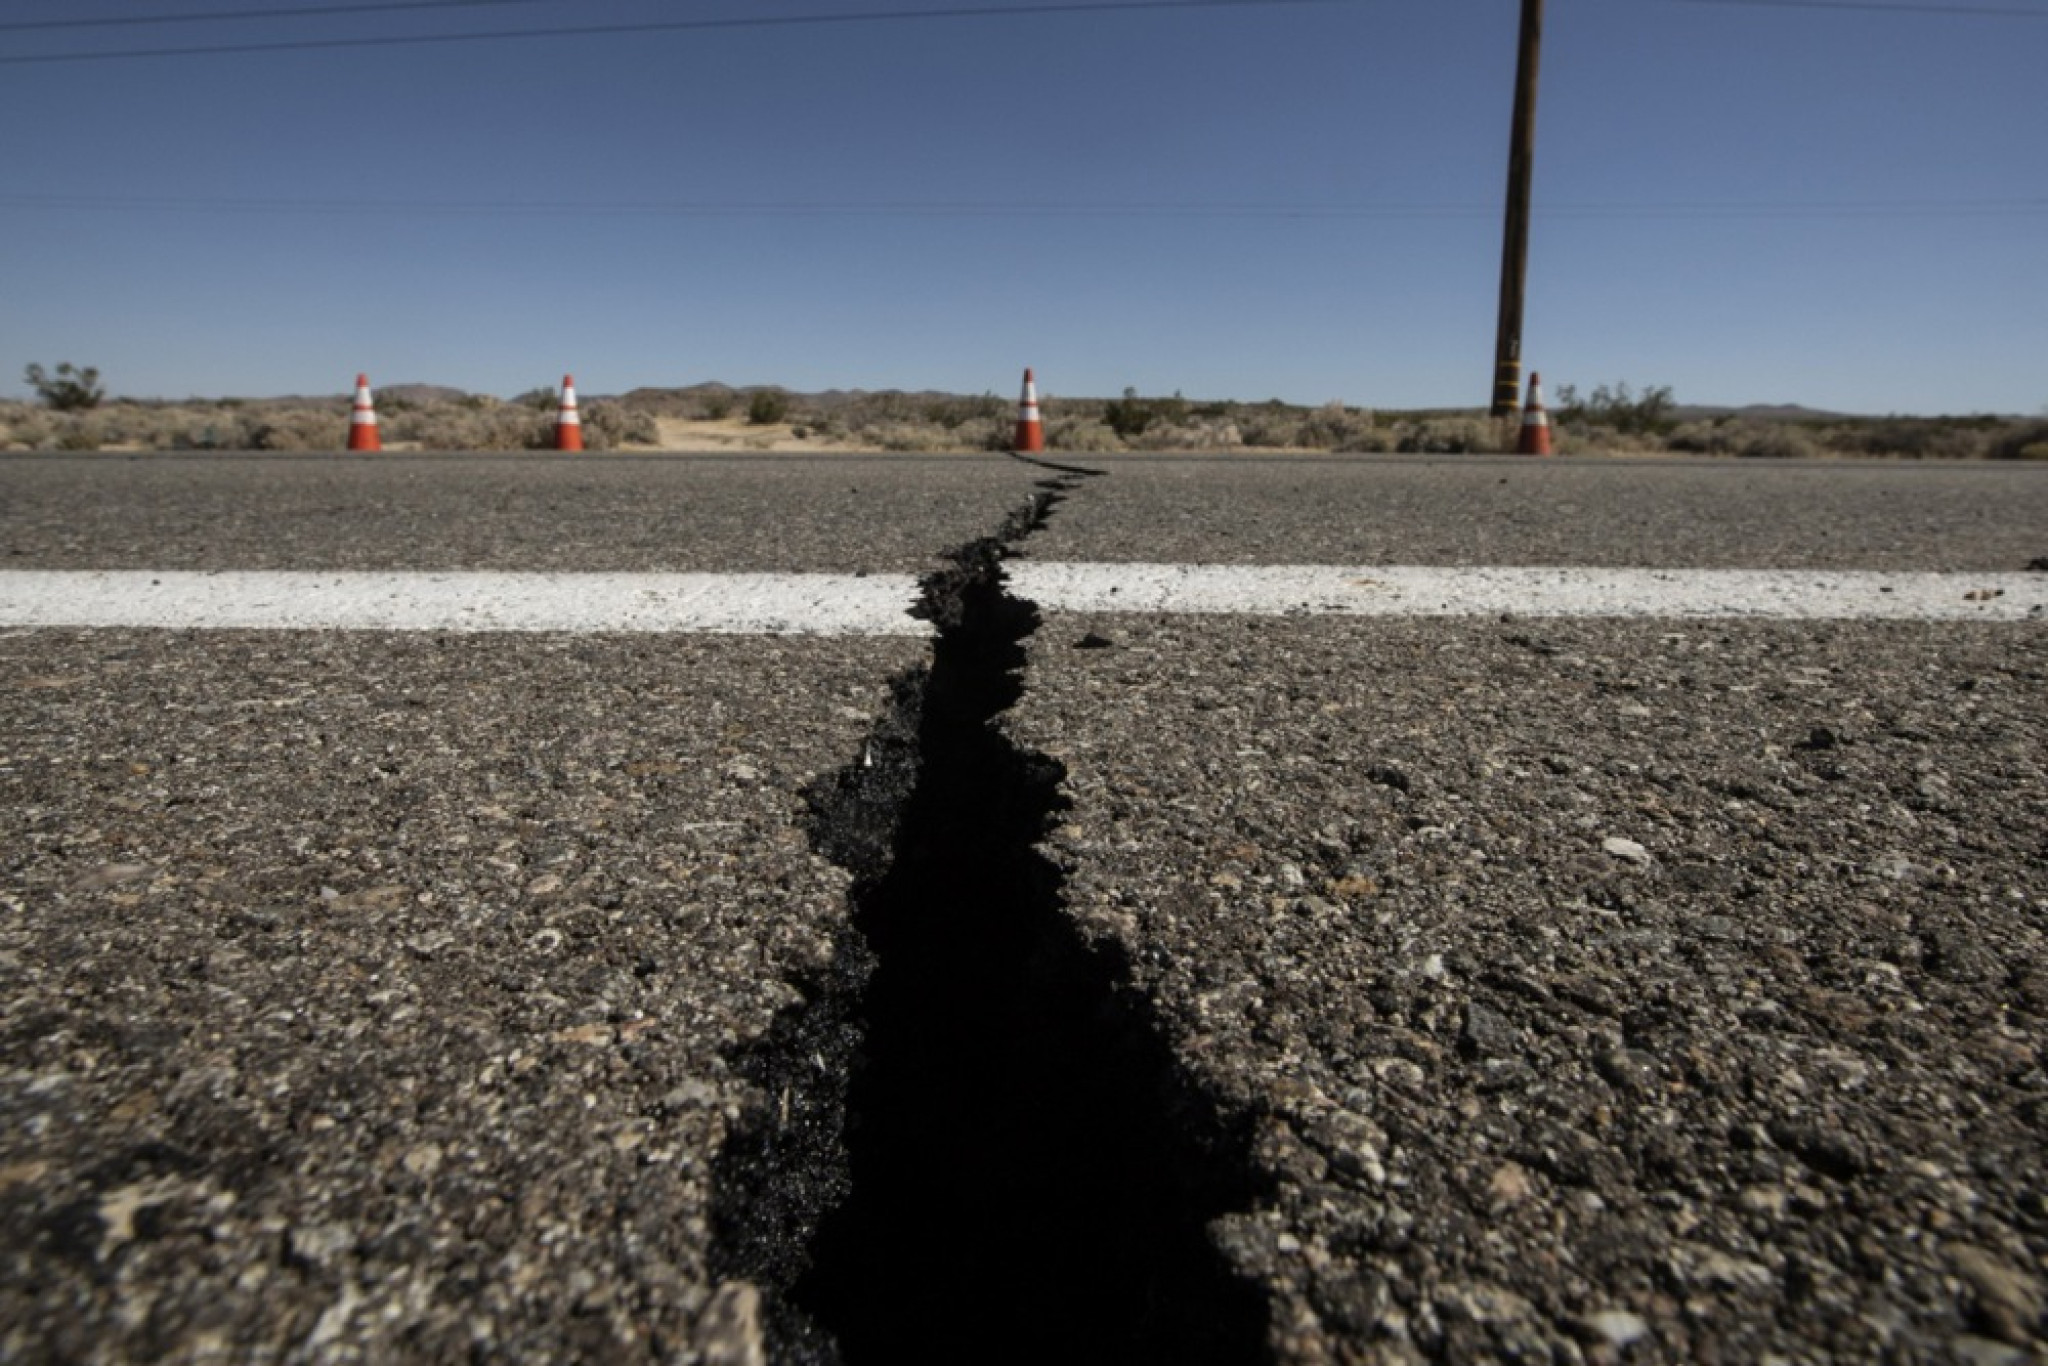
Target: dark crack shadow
[975, 1143]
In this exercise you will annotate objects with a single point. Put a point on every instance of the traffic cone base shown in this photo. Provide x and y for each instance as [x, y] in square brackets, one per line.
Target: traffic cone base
[1535, 438]
[1030, 427]
[568, 425]
[362, 421]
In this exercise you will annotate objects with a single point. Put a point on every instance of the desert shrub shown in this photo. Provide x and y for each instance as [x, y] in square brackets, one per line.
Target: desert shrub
[169, 426]
[1372, 439]
[463, 427]
[1130, 415]
[608, 425]
[200, 430]
[1333, 427]
[545, 399]
[999, 434]
[277, 427]
[767, 407]
[23, 427]
[1258, 427]
[1916, 438]
[74, 429]
[1932, 440]
[146, 427]
[1619, 407]
[954, 413]
[1754, 438]
[1590, 438]
[77, 433]
[920, 437]
[1748, 437]
[903, 422]
[1453, 435]
[1271, 424]
[2027, 441]
[69, 390]
[1713, 437]
[1079, 434]
[1192, 435]
[877, 409]
[1772, 441]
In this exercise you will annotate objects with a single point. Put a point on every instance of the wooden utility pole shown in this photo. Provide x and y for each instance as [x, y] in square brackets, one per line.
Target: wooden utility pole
[1514, 261]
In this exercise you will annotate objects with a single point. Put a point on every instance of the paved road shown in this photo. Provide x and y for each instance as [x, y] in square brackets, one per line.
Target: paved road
[507, 512]
[1227, 987]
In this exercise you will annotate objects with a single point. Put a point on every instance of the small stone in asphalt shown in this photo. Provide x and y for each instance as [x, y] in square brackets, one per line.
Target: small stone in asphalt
[1487, 1033]
[1617, 1327]
[1820, 737]
[1626, 1069]
[1386, 775]
[2009, 1302]
[730, 1332]
[1627, 850]
[1976, 1351]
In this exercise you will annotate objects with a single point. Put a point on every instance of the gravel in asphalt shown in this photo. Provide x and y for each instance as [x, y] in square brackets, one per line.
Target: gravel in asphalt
[370, 998]
[1597, 991]
[1508, 989]
[1499, 510]
[831, 514]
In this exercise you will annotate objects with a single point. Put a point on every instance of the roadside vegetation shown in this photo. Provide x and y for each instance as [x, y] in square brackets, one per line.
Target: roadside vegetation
[74, 414]
[430, 420]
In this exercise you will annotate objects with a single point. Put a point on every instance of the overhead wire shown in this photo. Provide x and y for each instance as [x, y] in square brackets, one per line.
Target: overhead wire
[1773, 209]
[1702, 209]
[952, 12]
[761, 21]
[1885, 7]
[228, 16]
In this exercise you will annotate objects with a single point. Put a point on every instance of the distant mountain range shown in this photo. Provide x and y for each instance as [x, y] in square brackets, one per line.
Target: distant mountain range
[1765, 412]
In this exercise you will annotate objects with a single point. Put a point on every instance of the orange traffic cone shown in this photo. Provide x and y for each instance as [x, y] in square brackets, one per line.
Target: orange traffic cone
[1535, 438]
[568, 426]
[362, 423]
[1030, 428]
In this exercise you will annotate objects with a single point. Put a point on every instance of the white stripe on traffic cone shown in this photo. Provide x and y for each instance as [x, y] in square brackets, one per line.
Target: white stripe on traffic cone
[1030, 427]
[362, 422]
[568, 426]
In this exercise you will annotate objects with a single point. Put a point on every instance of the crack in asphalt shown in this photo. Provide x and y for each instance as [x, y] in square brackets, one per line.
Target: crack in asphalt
[975, 1144]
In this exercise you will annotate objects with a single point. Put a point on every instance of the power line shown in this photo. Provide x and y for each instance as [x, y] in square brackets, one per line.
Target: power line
[1884, 6]
[1697, 209]
[1930, 208]
[753, 22]
[669, 26]
[217, 16]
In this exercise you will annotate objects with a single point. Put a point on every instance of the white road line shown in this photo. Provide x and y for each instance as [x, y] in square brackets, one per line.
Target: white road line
[709, 604]
[1784, 594]
[879, 604]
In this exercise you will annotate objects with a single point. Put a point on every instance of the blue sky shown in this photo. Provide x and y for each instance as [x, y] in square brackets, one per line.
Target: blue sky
[1838, 205]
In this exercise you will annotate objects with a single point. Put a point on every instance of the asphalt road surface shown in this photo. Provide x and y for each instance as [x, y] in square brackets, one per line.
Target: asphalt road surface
[1235, 980]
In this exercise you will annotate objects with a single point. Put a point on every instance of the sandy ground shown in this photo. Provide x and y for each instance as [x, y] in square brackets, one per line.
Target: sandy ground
[737, 434]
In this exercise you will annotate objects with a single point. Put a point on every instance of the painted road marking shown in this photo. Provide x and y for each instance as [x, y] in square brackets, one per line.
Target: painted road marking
[880, 604]
[1783, 594]
[709, 604]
